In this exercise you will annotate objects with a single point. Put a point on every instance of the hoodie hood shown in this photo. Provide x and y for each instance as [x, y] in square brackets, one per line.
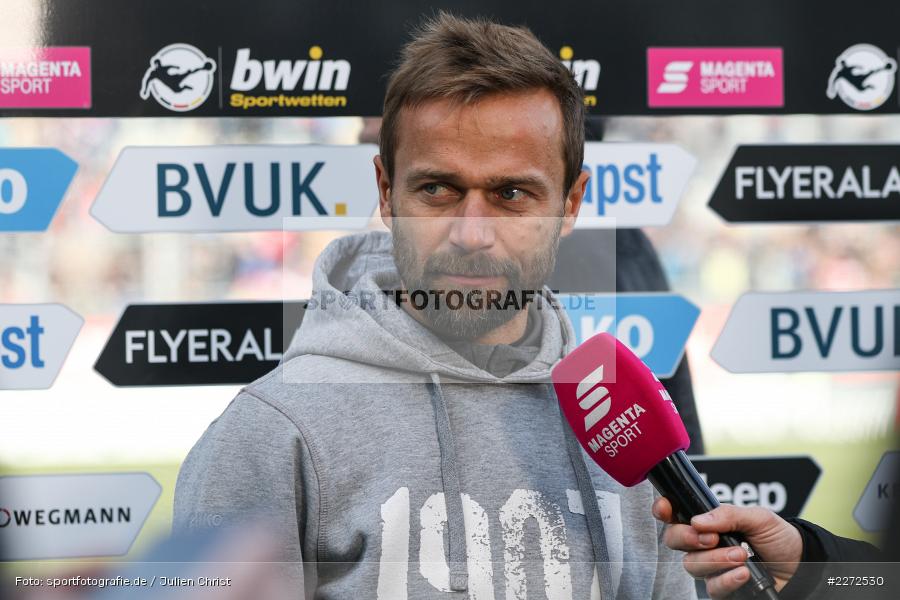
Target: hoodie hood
[349, 317]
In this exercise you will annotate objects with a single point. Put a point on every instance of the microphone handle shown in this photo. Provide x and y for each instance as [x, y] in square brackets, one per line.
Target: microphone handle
[678, 481]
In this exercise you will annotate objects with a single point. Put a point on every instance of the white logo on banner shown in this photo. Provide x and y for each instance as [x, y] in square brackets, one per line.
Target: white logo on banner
[34, 342]
[812, 331]
[863, 77]
[633, 185]
[239, 188]
[180, 77]
[675, 77]
[72, 516]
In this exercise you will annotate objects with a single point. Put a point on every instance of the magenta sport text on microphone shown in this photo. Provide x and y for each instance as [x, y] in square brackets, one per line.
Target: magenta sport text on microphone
[620, 412]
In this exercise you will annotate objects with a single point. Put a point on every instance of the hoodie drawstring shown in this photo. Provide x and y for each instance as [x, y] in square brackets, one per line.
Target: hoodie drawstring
[459, 573]
[591, 508]
[456, 532]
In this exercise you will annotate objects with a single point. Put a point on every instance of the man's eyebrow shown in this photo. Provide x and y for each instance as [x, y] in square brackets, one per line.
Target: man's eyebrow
[529, 181]
[417, 176]
[421, 175]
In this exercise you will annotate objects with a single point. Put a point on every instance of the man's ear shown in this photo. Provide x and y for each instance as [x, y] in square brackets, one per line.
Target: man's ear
[384, 191]
[573, 202]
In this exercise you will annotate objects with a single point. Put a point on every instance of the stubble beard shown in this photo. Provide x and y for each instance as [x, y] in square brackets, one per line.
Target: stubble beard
[465, 322]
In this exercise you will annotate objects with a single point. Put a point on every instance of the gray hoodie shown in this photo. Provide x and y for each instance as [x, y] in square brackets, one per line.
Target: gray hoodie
[394, 469]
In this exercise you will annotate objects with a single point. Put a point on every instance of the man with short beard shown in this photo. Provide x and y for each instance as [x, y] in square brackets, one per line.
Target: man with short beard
[462, 313]
[407, 449]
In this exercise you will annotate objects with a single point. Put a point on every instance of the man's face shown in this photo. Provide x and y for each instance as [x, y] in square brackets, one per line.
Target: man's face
[477, 203]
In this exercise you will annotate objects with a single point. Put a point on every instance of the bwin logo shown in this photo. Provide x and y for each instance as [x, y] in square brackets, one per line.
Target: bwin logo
[675, 77]
[593, 397]
[585, 72]
[286, 75]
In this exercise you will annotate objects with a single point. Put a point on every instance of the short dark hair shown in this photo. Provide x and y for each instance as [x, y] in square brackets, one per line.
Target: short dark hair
[466, 59]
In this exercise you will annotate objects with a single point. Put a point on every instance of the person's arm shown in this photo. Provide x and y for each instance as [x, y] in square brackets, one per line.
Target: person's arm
[251, 465]
[820, 546]
[794, 551]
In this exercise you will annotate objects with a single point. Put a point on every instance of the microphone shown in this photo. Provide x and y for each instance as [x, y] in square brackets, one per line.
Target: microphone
[626, 421]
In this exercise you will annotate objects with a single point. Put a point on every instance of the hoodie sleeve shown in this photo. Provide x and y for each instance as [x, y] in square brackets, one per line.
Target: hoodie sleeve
[672, 581]
[828, 555]
[251, 466]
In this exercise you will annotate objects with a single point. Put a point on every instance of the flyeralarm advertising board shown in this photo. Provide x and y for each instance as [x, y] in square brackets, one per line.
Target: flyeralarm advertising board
[795, 183]
[198, 344]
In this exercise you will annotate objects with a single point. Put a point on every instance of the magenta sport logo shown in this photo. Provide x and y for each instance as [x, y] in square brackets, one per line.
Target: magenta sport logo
[715, 77]
[58, 77]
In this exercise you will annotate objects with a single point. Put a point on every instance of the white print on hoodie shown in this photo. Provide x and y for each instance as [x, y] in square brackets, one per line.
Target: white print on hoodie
[512, 519]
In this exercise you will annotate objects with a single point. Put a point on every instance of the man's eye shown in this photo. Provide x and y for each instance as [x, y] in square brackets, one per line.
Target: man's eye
[510, 194]
[433, 189]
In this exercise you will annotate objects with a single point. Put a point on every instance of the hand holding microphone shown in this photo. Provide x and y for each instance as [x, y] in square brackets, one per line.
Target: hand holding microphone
[767, 533]
[626, 421]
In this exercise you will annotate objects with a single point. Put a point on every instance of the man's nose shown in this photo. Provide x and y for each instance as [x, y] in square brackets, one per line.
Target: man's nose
[473, 226]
